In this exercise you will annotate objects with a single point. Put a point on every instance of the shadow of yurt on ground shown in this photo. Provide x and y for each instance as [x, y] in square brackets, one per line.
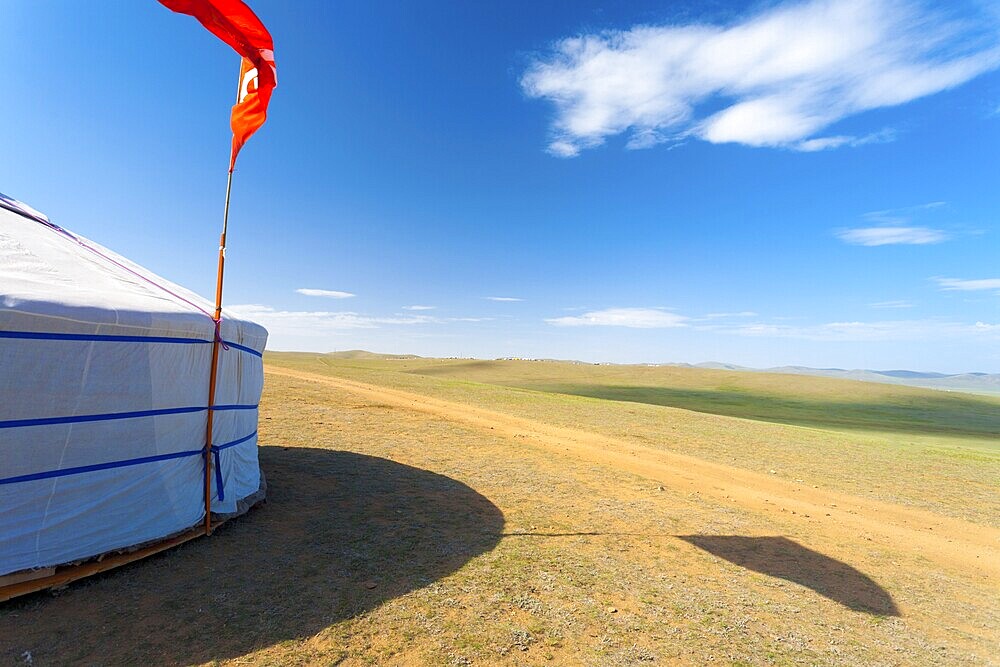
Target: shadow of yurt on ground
[341, 533]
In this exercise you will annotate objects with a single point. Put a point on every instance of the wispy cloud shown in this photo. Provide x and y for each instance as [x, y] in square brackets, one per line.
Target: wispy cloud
[895, 226]
[502, 298]
[419, 307]
[894, 330]
[744, 313]
[780, 76]
[902, 215]
[891, 304]
[891, 235]
[826, 143]
[634, 318]
[328, 293]
[958, 284]
[321, 322]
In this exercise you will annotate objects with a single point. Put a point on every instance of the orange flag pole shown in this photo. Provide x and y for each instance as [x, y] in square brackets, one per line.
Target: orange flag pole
[213, 374]
[236, 25]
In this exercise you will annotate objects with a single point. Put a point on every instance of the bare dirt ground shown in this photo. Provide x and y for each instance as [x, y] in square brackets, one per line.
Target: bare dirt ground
[408, 529]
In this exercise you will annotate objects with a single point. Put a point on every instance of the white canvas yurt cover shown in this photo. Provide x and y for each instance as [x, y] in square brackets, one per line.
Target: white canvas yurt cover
[104, 374]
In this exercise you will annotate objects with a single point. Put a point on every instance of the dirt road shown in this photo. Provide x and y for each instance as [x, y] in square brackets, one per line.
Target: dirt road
[967, 548]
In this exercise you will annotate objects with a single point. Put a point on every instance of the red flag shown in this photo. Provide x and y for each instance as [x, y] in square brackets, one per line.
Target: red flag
[236, 25]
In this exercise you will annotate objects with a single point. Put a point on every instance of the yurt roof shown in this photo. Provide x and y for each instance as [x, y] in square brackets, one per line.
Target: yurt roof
[52, 280]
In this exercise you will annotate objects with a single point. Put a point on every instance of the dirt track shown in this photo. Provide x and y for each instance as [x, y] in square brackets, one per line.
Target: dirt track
[953, 544]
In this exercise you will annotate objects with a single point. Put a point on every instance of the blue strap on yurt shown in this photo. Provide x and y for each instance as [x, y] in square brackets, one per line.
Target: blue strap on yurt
[242, 348]
[219, 485]
[75, 419]
[107, 338]
[49, 474]
[47, 421]
[220, 488]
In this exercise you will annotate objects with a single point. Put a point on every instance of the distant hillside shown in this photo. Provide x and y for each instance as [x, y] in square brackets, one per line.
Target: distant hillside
[364, 354]
[978, 383]
[973, 383]
[799, 399]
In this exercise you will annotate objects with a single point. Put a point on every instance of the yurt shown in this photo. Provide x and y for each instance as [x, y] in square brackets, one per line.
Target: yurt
[104, 406]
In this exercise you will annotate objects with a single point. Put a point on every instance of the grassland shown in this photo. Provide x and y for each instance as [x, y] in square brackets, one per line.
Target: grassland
[456, 513]
[932, 449]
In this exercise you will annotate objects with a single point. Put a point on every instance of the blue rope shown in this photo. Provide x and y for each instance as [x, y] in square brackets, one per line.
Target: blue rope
[219, 448]
[40, 335]
[131, 462]
[45, 421]
[243, 348]
[107, 338]
[219, 484]
[75, 419]
[98, 466]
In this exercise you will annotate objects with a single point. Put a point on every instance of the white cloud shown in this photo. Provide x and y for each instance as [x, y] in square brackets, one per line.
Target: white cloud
[957, 284]
[634, 318]
[320, 322]
[894, 226]
[892, 235]
[502, 298]
[780, 77]
[328, 293]
[562, 148]
[893, 330]
[419, 307]
[827, 143]
[324, 323]
[899, 216]
[745, 313]
[891, 304]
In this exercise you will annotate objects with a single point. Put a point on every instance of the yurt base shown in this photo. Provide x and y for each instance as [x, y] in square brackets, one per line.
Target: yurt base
[21, 583]
[24, 582]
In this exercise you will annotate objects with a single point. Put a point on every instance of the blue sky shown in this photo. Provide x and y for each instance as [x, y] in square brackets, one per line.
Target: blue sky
[759, 183]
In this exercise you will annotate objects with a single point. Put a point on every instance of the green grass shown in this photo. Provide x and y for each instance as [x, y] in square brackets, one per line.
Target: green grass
[798, 400]
[920, 415]
[934, 449]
